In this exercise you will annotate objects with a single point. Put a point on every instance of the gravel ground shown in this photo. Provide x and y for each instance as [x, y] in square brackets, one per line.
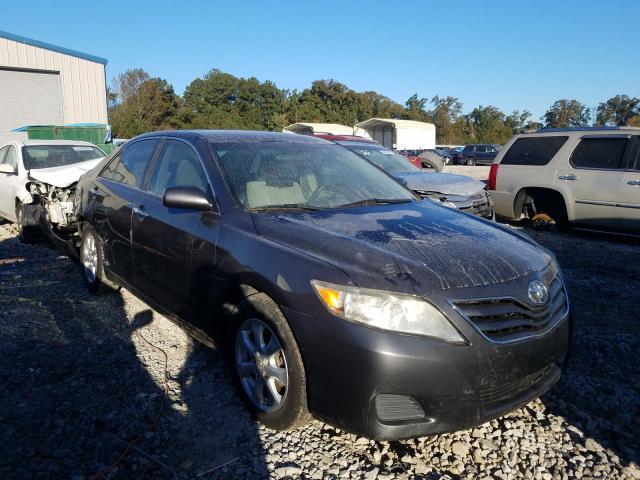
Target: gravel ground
[83, 376]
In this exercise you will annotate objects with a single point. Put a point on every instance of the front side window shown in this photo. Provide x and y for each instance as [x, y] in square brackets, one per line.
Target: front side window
[481, 149]
[385, 159]
[48, 156]
[599, 153]
[533, 150]
[303, 175]
[177, 166]
[129, 165]
[3, 152]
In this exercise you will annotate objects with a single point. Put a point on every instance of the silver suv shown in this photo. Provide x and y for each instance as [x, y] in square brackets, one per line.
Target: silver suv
[586, 176]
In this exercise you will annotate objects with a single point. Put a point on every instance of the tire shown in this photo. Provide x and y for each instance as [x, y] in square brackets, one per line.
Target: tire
[265, 369]
[92, 263]
[471, 162]
[26, 233]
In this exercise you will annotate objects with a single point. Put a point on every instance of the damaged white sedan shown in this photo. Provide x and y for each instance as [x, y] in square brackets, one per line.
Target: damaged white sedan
[37, 184]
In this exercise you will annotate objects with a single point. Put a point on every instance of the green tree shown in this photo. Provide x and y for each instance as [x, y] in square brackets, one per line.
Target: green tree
[153, 105]
[618, 110]
[566, 113]
[486, 124]
[446, 116]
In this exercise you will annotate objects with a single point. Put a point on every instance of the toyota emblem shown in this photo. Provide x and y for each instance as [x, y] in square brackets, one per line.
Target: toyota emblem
[538, 292]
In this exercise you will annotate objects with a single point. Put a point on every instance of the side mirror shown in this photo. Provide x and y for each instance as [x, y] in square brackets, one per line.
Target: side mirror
[186, 197]
[6, 168]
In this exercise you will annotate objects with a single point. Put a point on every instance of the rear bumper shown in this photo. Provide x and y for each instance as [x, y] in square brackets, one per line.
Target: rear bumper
[349, 366]
[503, 203]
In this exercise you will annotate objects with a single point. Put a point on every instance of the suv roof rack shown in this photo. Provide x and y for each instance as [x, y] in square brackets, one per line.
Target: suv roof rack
[581, 129]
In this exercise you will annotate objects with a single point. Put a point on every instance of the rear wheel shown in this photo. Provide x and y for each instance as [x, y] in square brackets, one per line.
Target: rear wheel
[26, 233]
[92, 262]
[268, 365]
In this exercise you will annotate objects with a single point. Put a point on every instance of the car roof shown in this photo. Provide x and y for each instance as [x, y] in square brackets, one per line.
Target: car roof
[27, 143]
[234, 136]
[586, 129]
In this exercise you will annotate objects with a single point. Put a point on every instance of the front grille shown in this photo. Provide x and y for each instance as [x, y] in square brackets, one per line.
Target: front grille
[477, 204]
[509, 319]
[513, 388]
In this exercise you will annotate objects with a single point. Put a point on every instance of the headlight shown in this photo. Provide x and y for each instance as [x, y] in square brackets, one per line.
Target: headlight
[394, 312]
[447, 203]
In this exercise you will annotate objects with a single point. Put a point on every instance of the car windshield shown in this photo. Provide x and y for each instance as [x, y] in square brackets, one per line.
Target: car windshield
[47, 156]
[385, 159]
[305, 176]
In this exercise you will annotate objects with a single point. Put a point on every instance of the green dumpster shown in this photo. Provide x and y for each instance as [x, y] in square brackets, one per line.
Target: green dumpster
[93, 133]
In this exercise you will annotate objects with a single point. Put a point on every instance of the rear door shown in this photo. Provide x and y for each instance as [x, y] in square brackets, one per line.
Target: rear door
[113, 197]
[630, 188]
[593, 178]
[163, 237]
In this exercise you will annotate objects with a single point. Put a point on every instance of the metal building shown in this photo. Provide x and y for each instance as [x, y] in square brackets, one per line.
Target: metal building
[43, 84]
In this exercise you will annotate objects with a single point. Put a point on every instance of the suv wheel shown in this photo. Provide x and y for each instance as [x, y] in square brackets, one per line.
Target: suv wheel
[268, 365]
[26, 233]
[92, 262]
[471, 161]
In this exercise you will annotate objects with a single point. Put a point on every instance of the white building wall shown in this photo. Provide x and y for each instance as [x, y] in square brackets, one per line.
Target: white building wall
[83, 88]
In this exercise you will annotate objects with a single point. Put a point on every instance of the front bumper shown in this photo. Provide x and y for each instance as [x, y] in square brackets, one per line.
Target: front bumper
[349, 367]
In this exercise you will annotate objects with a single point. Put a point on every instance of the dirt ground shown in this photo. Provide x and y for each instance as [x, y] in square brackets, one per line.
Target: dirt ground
[83, 376]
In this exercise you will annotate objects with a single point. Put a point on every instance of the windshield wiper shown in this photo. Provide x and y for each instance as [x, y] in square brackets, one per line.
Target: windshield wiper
[375, 201]
[284, 206]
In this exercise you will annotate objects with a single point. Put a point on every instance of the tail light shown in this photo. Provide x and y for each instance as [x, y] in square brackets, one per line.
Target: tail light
[493, 174]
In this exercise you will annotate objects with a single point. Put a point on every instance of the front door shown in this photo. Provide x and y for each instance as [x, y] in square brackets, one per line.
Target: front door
[593, 178]
[8, 183]
[163, 237]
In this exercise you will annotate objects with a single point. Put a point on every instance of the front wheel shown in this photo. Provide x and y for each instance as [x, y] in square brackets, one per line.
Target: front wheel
[471, 162]
[268, 365]
[26, 233]
[92, 262]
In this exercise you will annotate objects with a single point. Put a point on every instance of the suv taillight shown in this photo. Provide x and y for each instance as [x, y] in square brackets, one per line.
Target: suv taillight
[493, 174]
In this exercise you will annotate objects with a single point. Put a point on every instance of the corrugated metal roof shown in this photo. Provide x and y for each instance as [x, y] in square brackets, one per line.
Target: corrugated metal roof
[55, 48]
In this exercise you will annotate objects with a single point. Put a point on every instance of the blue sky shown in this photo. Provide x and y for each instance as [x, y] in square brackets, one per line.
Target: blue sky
[512, 54]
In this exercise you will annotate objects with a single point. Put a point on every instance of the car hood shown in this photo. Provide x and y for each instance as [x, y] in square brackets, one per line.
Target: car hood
[445, 183]
[64, 175]
[417, 248]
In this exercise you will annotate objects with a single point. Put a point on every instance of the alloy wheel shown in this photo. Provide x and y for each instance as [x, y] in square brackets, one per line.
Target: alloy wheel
[261, 365]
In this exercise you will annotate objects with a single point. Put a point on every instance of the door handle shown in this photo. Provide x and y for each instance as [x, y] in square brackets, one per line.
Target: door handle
[568, 177]
[634, 182]
[140, 213]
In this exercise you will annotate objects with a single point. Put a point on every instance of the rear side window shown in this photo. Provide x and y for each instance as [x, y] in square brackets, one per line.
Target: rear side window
[599, 153]
[533, 150]
[129, 166]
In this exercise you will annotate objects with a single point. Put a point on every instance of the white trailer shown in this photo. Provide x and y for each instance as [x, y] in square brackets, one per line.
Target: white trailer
[311, 128]
[398, 134]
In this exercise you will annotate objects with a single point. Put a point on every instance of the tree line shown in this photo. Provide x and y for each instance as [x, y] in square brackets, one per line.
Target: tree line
[140, 103]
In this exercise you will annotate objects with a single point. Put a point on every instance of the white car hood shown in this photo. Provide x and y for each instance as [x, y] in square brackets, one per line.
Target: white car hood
[65, 175]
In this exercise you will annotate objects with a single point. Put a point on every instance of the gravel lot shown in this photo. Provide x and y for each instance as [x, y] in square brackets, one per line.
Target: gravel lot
[82, 376]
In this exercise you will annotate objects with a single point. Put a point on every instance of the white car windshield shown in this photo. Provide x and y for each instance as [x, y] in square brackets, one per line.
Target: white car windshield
[47, 156]
[305, 176]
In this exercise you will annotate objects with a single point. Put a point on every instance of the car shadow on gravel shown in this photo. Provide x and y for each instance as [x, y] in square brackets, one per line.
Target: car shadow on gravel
[82, 397]
[599, 394]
